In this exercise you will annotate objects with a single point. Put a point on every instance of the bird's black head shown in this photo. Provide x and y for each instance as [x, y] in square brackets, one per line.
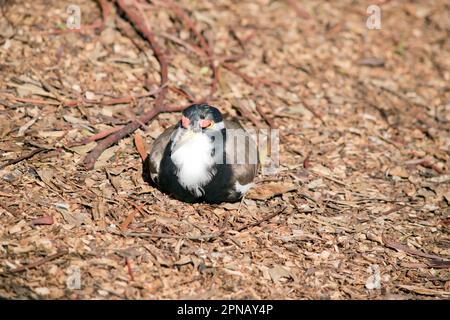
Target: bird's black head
[199, 117]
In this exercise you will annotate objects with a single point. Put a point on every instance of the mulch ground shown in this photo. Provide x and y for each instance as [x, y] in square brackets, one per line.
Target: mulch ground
[359, 208]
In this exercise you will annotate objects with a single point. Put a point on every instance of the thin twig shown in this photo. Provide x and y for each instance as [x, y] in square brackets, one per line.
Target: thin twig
[205, 45]
[24, 157]
[248, 114]
[94, 137]
[402, 247]
[11, 211]
[268, 119]
[266, 218]
[140, 25]
[204, 237]
[75, 103]
[130, 217]
[37, 263]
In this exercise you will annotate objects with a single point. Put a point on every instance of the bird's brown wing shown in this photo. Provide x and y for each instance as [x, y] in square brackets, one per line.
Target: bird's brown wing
[157, 152]
[242, 173]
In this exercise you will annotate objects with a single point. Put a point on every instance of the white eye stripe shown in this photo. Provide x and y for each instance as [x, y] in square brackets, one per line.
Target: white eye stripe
[219, 125]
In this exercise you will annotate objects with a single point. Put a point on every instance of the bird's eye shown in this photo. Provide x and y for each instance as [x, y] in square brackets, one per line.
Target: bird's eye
[206, 123]
[185, 122]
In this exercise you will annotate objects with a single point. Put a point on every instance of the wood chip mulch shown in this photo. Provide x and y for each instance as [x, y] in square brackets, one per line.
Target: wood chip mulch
[359, 208]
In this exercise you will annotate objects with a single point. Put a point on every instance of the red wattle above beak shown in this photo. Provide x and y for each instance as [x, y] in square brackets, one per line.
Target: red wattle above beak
[185, 122]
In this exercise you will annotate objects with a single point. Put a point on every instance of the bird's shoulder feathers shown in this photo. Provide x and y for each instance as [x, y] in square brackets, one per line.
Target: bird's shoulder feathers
[243, 174]
[157, 152]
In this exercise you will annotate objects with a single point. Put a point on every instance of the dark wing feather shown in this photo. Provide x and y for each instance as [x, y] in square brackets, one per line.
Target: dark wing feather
[156, 154]
[242, 173]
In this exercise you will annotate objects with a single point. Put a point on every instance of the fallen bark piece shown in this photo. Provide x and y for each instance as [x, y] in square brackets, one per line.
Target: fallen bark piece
[45, 220]
[270, 190]
[425, 291]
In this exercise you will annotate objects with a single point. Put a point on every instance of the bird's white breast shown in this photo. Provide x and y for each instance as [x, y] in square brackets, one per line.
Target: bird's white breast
[194, 162]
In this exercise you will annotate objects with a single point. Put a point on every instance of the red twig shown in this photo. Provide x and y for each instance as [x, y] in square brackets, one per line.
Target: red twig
[267, 218]
[427, 163]
[301, 13]
[94, 137]
[141, 25]
[189, 23]
[306, 162]
[74, 103]
[33, 101]
[255, 83]
[248, 114]
[216, 73]
[205, 46]
[268, 119]
[182, 92]
[314, 112]
[130, 271]
[37, 263]
[250, 80]
[132, 9]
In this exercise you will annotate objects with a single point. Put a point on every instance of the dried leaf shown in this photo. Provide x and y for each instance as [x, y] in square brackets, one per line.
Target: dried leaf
[399, 172]
[29, 89]
[183, 260]
[116, 181]
[17, 227]
[105, 156]
[46, 175]
[84, 149]
[270, 190]
[25, 127]
[318, 183]
[139, 143]
[75, 220]
[278, 272]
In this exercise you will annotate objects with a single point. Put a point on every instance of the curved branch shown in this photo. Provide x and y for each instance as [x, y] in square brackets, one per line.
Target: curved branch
[141, 25]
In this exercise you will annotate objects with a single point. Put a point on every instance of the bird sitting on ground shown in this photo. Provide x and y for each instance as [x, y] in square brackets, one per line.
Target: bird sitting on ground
[203, 158]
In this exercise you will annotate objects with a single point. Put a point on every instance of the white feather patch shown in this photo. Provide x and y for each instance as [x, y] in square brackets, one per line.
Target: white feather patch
[192, 156]
[243, 189]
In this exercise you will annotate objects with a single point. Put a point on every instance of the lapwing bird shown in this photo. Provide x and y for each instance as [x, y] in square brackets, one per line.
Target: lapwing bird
[203, 158]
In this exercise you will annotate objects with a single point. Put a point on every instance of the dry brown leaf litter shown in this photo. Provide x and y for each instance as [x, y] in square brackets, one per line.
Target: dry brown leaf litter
[359, 209]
